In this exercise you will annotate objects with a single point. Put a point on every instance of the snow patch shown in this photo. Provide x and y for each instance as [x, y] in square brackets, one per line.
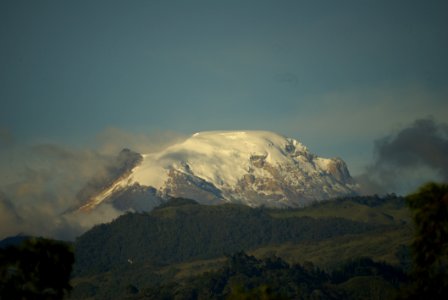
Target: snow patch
[276, 166]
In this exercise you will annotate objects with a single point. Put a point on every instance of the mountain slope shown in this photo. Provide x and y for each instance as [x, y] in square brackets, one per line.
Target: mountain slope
[249, 167]
[190, 231]
[181, 239]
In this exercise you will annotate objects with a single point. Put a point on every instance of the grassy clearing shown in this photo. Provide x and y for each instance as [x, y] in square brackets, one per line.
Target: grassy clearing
[385, 214]
[328, 254]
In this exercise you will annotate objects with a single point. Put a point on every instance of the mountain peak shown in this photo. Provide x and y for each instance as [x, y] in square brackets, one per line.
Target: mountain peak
[245, 166]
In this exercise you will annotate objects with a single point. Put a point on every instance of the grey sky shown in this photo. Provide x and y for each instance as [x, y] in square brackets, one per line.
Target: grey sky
[335, 74]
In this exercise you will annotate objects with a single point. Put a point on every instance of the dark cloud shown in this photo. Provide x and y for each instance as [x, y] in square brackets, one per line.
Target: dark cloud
[414, 155]
[425, 142]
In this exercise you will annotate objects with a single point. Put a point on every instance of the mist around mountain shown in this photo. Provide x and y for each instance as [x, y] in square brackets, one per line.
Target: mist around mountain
[40, 183]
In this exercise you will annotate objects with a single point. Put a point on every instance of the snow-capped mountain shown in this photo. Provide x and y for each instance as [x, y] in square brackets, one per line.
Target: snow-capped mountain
[250, 167]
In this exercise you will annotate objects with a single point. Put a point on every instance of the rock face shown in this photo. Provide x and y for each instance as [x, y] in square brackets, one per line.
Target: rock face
[250, 167]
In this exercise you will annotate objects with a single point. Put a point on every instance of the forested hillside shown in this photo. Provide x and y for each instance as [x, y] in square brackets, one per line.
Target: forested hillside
[182, 240]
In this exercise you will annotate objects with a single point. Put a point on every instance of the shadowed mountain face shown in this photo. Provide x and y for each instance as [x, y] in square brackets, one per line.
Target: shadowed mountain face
[249, 167]
[126, 161]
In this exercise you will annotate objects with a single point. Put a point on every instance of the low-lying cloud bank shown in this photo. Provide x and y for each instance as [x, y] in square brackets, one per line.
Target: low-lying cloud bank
[40, 184]
[408, 158]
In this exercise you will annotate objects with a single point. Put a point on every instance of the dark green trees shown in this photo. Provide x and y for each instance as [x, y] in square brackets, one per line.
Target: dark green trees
[429, 207]
[37, 269]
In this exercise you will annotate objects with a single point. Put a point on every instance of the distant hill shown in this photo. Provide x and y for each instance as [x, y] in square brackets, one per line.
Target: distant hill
[13, 240]
[190, 231]
[182, 239]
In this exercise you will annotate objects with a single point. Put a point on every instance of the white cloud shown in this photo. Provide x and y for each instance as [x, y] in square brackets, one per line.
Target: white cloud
[40, 183]
[112, 140]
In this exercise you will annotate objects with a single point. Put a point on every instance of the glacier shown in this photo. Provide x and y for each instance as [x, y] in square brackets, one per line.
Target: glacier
[255, 168]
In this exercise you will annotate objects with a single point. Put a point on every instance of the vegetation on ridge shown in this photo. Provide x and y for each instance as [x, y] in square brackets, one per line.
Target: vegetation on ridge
[174, 245]
[39, 268]
[190, 231]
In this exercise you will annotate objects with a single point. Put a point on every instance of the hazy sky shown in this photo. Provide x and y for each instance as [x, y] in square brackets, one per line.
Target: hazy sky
[337, 75]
